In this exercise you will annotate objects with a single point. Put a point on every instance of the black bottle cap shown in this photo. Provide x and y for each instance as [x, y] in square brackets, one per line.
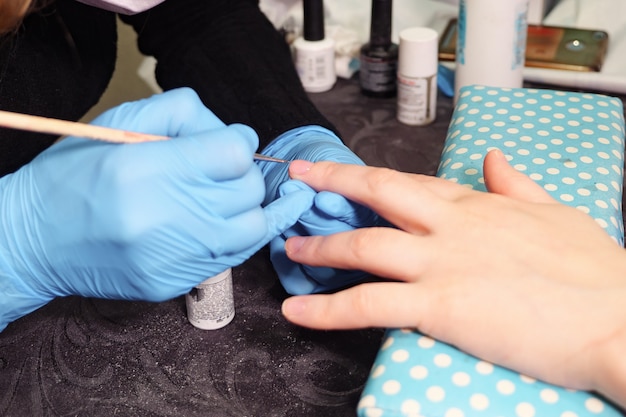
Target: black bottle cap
[380, 29]
[313, 20]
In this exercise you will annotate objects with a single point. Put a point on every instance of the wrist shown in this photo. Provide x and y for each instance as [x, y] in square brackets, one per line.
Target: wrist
[609, 378]
[16, 298]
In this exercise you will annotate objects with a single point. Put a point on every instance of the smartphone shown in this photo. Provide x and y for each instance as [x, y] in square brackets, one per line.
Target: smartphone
[548, 47]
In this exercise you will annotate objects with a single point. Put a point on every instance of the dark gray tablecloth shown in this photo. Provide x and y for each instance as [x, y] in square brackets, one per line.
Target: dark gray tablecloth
[87, 357]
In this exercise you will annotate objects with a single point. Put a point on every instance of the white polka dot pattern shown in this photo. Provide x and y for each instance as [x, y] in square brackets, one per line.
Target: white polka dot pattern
[416, 376]
[570, 143]
[573, 145]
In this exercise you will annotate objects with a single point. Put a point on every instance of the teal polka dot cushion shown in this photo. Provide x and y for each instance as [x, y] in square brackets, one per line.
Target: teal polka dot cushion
[573, 145]
[570, 143]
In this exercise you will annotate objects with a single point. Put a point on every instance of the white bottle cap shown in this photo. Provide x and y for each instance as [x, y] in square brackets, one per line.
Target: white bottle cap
[417, 54]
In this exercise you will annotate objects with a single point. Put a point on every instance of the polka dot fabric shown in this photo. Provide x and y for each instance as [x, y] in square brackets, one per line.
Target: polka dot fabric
[573, 145]
[416, 376]
[570, 143]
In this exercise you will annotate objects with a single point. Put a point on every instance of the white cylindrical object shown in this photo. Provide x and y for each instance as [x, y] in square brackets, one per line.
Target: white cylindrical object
[211, 304]
[315, 64]
[491, 43]
[417, 76]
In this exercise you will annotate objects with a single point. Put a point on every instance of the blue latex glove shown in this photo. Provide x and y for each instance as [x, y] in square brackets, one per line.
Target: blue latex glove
[144, 221]
[331, 213]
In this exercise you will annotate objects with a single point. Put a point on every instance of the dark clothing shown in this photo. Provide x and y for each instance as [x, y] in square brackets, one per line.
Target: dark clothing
[62, 59]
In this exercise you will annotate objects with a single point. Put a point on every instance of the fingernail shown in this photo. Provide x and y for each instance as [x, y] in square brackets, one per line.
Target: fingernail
[497, 152]
[293, 244]
[293, 306]
[300, 167]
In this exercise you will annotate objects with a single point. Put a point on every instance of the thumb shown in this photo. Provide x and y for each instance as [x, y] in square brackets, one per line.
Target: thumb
[221, 154]
[281, 215]
[502, 178]
[285, 211]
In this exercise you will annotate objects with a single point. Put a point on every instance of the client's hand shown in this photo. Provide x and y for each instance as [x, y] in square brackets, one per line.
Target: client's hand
[510, 276]
[136, 221]
[331, 212]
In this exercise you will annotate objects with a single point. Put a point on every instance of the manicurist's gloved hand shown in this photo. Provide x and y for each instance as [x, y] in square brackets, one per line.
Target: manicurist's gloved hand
[144, 221]
[331, 213]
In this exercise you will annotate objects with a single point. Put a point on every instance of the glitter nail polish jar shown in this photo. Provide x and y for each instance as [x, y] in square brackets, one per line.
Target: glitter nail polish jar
[211, 304]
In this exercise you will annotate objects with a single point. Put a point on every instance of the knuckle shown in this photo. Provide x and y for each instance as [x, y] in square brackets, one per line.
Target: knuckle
[362, 241]
[187, 94]
[364, 301]
[379, 179]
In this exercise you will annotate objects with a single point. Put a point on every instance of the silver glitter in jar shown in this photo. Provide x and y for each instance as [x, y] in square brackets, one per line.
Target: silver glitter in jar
[211, 305]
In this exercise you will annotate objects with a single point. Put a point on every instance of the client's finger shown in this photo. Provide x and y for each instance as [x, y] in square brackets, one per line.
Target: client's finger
[380, 251]
[399, 197]
[502, 178]
[366, 305]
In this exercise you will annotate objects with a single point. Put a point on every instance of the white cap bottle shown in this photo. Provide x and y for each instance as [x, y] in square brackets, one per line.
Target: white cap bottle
[314, 53]
[491, 43]
[417, 76]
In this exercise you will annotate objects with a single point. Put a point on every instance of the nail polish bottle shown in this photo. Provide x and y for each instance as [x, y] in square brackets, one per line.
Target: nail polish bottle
[379, 57]
[211, 304]
[417, 76]
[315, 54]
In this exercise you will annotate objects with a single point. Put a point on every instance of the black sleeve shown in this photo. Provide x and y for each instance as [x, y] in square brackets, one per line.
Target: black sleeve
[233, 57]
[58, 64]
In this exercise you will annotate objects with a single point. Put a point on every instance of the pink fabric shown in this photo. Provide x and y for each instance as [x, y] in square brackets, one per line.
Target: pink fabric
[123, 6]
